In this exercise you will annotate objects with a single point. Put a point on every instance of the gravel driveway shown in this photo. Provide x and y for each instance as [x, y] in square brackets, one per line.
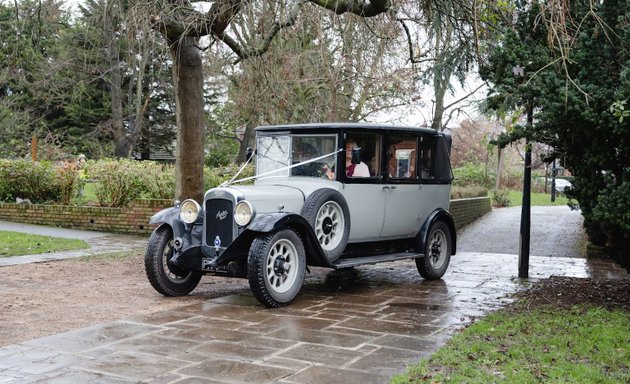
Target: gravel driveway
[555, 231]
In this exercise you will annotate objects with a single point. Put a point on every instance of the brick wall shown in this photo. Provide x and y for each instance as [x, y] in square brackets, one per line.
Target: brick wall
[131, 220]
[465, 211]
[135, 219]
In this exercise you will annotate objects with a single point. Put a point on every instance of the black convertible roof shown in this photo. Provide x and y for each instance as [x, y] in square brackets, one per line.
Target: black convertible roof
[345, 126]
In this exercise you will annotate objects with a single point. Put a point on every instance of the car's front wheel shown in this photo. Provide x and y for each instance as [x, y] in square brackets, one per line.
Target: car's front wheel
[276, 267]
[437, 252]
[167, 279]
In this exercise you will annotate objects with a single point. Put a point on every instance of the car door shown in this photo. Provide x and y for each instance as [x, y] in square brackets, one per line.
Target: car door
[403, 208]
[363, 191]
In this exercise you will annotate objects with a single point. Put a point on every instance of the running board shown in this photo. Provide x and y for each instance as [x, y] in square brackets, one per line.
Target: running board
[356, 261]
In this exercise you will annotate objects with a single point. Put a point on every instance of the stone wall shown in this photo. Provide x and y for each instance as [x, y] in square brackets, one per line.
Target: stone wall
[465, 211]
[135, 218]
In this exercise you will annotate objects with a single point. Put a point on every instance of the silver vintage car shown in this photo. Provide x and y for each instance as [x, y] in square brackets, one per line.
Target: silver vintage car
[330, 195]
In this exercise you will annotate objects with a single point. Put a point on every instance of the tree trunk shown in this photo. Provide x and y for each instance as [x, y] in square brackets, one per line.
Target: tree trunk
[248, 141]
[115, 79]
[188, 76]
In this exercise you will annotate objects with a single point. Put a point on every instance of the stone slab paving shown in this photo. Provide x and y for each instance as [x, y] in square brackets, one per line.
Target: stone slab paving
[358, 326]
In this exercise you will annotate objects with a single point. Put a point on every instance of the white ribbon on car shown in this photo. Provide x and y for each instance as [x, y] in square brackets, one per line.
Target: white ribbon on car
[232, 181]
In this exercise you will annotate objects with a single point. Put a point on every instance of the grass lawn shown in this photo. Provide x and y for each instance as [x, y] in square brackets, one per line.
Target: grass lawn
[516, 199]
[16, 244]
[577, 345]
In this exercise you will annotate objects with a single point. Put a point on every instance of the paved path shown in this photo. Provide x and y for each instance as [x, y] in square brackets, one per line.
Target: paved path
[555, 231]
[363, 325]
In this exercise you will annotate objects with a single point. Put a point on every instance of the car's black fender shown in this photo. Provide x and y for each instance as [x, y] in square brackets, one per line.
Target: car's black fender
[272, 222]
[188, 238]
[437, 215]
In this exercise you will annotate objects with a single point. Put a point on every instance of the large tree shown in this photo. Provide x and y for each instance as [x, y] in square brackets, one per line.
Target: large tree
[184, 26]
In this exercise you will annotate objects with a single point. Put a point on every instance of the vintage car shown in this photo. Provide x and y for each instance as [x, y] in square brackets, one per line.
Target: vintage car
[328, 195]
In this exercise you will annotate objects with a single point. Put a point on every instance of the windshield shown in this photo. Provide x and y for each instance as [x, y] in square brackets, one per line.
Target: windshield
[295, 155]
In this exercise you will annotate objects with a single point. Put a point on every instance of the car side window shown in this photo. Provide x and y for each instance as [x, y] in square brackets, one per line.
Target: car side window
[427, 166]
[363, 156]
[402, 157]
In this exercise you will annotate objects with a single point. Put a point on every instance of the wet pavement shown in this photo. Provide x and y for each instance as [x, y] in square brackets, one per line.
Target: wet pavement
[555, 231]
[359, 325]
[362, 325]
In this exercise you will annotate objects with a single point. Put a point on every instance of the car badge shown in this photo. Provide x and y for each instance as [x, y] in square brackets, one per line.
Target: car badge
[217, 243]
[221, 215]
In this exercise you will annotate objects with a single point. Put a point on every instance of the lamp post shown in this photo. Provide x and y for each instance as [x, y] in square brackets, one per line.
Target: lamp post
[523, 253]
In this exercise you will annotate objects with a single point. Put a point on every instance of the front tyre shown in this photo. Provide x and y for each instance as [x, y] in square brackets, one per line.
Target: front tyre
[167, 279]
[276, 267]
[437, 252]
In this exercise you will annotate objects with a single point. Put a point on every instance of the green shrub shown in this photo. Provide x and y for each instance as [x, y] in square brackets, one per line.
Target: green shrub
[473, 174]
[26, 179]
[611, 215]
[118, 181]
[158, 180]
[70, 181]
[500, 199]
[459, 192]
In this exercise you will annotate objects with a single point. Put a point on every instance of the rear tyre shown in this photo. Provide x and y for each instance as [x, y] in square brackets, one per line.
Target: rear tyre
[275, 267]
[167, 279]
[437, 252]
[327, 212]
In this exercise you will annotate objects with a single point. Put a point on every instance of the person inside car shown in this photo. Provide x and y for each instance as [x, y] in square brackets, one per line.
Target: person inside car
[354, 166]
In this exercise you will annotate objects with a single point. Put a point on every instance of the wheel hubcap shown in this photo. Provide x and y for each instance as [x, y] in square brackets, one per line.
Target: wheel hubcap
[329, 225]
[437, 253]
[172, 272]
[282, 266]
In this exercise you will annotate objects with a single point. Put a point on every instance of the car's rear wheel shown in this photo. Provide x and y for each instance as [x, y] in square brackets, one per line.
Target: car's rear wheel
[276, 267]
[437, 252]
[327, 212]
[167, 279]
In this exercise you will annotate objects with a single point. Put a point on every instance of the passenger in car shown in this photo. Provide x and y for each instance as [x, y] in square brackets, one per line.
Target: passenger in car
[354, 166]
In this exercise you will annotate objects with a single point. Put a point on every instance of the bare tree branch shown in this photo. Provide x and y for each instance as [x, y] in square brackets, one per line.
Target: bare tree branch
[465, 97]
[360, 8]
[410, 45]
[244, 53]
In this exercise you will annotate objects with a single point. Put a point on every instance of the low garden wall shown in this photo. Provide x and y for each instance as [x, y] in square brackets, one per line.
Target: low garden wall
[465, 211]
[135, 218]
[130, 220]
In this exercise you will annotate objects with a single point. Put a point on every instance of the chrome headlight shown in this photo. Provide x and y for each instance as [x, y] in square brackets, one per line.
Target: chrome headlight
[189, 211]
[243, 213]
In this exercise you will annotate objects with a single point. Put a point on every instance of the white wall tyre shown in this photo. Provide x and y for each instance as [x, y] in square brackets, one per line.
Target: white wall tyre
[437, 252]
[275, 268]
[327, 212]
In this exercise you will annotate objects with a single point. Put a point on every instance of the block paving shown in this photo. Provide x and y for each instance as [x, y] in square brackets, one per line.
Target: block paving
[361, 325]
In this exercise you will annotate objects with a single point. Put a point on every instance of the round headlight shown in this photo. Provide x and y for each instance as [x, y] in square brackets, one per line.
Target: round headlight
[243, 213]
[189, 211]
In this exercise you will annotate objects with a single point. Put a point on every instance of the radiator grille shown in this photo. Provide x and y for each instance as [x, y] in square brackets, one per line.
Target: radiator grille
[219, 221]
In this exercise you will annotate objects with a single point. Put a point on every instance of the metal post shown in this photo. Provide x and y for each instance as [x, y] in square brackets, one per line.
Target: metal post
[554, 171]
[523, 256]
